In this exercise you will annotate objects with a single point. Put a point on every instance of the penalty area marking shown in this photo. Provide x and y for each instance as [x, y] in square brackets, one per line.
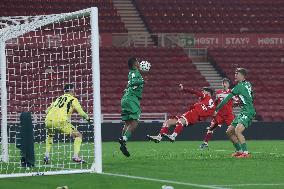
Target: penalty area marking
[166, 181]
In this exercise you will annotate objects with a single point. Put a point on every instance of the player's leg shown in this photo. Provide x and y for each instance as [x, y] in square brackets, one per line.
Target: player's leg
[210, 130]
[130, 114]
[189, 118]
[239, 133]
[68, 129]
[164, 130]
[77, 145]
[243, 123]
[131, 126]
[48, 141]
[232, 136]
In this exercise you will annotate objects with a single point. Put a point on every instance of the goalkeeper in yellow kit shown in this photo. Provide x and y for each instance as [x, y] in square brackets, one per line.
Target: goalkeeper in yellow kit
[58, 119]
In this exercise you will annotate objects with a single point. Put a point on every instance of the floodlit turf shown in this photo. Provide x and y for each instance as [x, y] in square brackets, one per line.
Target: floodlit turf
[180, 162]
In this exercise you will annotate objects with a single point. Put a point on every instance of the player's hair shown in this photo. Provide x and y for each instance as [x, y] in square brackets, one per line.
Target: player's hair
[227, 80]
[68, 87]
[208, 89]
[131, 62]
[243, 71]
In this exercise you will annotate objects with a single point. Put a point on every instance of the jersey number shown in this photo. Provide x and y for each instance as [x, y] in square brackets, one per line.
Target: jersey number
[211, 105]
[61, 101]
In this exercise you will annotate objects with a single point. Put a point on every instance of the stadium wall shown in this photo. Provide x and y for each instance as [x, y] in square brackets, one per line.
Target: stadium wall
[257, 131]
[112, 131]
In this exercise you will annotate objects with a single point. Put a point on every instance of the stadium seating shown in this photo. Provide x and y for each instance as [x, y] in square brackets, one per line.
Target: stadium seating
[265, 72]
[170, 66]
[109, 19]
[212, 16]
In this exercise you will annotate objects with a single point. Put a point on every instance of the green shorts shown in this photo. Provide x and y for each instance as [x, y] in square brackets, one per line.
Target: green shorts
[243, 118]
[130, 109]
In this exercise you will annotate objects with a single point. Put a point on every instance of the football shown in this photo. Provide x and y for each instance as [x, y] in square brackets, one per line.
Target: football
[145, 66]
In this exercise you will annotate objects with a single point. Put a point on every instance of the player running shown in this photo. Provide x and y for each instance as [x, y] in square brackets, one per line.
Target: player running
[58, 119]
[224, 116]
[235, 131]
[130, 103]
[200, 110]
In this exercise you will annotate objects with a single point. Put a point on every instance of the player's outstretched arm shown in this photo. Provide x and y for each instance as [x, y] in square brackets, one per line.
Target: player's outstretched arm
[224, 101]
[192, 91]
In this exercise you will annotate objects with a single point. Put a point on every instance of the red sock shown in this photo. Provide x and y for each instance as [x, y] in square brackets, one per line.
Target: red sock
[179, 128]
[164, 130]
[208, 137]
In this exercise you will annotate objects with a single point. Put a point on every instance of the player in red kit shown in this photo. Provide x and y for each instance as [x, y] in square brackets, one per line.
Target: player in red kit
[204, 108]
[224, 116]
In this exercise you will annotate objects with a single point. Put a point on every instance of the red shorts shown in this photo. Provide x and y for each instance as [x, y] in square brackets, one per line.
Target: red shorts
[191, 117]
[223, 119]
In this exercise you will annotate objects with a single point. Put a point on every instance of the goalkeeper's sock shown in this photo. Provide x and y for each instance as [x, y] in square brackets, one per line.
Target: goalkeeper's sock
[244, 147]
[48, 145]
[126, 135]
[77, 146]
[164, 130]
[237, 146]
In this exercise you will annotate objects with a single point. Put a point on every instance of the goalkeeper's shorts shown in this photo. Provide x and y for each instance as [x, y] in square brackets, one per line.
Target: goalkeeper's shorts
[130, 109]
[64, 127]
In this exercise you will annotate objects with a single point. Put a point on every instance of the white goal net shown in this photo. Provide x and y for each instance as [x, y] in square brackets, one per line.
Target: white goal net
[38, 56]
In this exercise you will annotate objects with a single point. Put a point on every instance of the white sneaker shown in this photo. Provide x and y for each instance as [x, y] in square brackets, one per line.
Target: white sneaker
[170, 137]
[156, 139]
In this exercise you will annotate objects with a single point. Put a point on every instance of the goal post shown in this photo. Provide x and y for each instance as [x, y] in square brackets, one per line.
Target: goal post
[4, 129]
[38, 55]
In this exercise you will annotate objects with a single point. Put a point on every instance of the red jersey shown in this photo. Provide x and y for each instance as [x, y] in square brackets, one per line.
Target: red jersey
[227, 109]
[205, 107]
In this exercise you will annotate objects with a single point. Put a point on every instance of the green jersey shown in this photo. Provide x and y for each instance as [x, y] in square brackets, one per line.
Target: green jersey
[135, 84]
[245, 93]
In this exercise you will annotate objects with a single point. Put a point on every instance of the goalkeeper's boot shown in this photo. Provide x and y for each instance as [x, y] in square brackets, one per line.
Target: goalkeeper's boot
[155, 139]
[78, 160]
[46, 160]
[204, 146]
[169, 137]
[123, 148]
[236, 153]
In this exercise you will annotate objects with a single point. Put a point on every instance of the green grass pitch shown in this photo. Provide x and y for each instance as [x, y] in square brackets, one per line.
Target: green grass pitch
[180, 164]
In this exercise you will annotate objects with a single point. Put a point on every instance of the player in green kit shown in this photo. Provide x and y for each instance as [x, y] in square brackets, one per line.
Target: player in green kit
[130, 103]
[235, 131]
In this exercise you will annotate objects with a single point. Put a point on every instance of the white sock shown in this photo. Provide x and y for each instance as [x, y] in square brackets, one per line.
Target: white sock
[46, 154]
[124, 138]
[174, 134]
[75, 156]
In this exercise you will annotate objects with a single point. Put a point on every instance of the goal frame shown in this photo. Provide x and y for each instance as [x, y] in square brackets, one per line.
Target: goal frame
[19, 29]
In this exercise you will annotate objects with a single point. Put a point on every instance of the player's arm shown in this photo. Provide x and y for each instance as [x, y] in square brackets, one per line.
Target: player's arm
[192, 91]
[224, 102]
[135, 80]
[235, 91]
[79, 109]
[48, 109]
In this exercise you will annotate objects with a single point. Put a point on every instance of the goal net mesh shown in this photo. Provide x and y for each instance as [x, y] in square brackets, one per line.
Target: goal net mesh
[39, 63]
